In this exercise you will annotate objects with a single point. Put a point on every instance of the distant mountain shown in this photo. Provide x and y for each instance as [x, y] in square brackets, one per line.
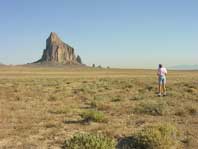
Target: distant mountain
[184, 67]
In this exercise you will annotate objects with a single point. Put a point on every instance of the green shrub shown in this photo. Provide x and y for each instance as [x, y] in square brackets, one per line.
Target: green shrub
[98, 97]
[89, 141]
[116, 99]
[156, 137]
[151, 137]
[93, 115]
[152, 107]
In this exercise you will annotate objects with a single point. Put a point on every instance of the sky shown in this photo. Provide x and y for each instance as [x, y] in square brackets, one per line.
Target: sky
[115, 33]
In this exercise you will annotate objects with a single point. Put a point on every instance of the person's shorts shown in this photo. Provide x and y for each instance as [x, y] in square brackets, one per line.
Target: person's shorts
[162, 80]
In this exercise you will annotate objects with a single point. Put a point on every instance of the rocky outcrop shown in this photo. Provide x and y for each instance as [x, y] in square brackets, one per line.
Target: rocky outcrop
[58, 52]
[79, 60]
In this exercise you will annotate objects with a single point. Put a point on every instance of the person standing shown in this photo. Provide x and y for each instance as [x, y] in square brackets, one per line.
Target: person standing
[161, 72]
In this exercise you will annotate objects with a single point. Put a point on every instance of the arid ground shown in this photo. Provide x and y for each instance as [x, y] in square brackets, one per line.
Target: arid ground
[42, 107]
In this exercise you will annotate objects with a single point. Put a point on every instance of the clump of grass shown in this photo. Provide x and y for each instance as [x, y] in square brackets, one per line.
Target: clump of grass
[93, 115]
[187, 110]
[149, 88]
[152, 137]
[180, 112]
[97, 97]
[188, 140]
[84, 89]
[15, 90]
[137, 97]
[191, 90]
[85, 81]
[99, 105]
[192, 110]
[97, 101]
[104, 106]
[18, 98]
[116, 99]
[93, 104]
[129, 86]
[50, 125]
[152, 107]
[89, 141]
[52, 98]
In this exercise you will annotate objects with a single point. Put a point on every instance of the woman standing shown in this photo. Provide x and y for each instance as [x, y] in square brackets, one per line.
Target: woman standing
[162, 72]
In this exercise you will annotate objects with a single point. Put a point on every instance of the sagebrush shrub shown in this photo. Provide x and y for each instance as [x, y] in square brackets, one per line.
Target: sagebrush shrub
[93, 115]
[152, 108]
[89, 141]
[156, 137]
[151, 137]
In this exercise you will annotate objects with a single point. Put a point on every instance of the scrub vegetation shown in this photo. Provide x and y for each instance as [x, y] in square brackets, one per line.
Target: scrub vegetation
[43, 107]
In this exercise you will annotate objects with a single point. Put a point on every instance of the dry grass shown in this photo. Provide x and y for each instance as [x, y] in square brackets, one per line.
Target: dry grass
[41, 107]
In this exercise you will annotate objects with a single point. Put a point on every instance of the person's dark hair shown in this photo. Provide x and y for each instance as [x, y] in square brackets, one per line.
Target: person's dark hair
[160, 65]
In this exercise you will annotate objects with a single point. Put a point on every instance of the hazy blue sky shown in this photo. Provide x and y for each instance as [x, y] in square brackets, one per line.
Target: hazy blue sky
[116, 33]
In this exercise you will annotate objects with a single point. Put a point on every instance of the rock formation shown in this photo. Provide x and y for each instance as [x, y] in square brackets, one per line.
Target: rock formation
[58, 52]
[79, 59]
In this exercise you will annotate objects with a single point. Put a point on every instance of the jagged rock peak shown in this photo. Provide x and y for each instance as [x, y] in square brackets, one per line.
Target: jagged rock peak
[58, 52]
[53, 38]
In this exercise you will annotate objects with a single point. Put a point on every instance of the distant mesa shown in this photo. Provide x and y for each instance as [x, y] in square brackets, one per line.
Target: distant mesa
[58, 52]
[185, 67]
[1, 64]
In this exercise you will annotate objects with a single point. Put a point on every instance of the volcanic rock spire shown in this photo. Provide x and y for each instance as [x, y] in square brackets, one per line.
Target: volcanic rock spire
[58, 52]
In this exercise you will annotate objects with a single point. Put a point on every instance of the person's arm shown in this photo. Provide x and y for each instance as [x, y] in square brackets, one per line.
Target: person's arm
[166, 71]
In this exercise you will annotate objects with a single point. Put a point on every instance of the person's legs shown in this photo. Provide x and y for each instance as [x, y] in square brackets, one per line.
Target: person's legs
[164, 86]
[159, 89]
[160, 86]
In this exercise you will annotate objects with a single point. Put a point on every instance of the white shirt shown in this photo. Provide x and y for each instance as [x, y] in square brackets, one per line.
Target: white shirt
[162, 71]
